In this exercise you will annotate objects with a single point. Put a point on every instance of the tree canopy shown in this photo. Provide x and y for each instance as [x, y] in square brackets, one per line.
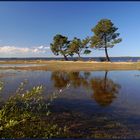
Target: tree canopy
[60, 45]
[105, 36]
[77, 46]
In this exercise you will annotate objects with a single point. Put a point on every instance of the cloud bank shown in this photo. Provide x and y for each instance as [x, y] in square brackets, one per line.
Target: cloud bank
[13, 51]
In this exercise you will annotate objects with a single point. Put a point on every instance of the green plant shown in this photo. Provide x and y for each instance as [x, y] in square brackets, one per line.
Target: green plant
[25, 115]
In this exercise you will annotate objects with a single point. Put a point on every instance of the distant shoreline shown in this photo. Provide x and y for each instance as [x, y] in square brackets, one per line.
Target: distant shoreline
[57, 65]
[99, 59]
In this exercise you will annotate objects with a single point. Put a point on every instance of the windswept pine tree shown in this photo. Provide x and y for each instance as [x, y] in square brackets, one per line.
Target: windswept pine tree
[60, 46]
[78, 46]
[105, 36]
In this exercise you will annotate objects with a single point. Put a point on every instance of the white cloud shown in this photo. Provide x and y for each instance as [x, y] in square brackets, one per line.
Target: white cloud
[13, 51]
[40, 47]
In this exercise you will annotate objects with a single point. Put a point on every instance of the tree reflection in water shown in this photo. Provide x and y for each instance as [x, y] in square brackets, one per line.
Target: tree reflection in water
[60, 79]
[29, 115]
[81, 118]
[105, 90]
[75, 79]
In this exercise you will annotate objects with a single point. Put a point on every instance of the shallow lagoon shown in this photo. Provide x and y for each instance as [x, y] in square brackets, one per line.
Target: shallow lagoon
[96, 104]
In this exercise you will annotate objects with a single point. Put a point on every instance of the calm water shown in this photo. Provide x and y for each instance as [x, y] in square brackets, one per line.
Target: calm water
[104, 104]
[113, 59]
[20, 65]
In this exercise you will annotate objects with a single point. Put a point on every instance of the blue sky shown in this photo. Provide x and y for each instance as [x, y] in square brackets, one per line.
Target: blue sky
[27, 28]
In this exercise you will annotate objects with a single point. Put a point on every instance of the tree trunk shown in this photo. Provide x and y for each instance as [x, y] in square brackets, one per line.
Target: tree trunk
[107, 57]
[79, 55]
[106, 53]
[65, 57]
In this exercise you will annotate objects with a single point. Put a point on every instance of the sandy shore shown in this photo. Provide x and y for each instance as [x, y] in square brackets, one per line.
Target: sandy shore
[71, 65]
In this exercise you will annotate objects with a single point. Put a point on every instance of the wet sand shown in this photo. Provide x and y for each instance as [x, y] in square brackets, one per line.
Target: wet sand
[54, 65]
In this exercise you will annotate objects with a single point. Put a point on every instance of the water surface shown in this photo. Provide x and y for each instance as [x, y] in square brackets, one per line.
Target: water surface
[93, 104]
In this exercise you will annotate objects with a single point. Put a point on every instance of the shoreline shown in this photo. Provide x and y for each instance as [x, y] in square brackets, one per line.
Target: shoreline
[58, 65]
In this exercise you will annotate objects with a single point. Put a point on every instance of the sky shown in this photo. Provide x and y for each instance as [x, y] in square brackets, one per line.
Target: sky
[28, 28]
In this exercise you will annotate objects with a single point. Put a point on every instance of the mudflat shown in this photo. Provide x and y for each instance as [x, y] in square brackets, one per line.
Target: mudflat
[57, 65]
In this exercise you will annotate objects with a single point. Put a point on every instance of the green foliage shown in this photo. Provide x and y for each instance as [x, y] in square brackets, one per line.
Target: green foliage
[60, 45]
[77, 46]
[105, 35]
[1, 86]
[87, 51]
[25, 115]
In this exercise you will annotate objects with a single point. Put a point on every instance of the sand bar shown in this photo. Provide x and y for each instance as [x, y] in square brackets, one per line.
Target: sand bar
[57, 65]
